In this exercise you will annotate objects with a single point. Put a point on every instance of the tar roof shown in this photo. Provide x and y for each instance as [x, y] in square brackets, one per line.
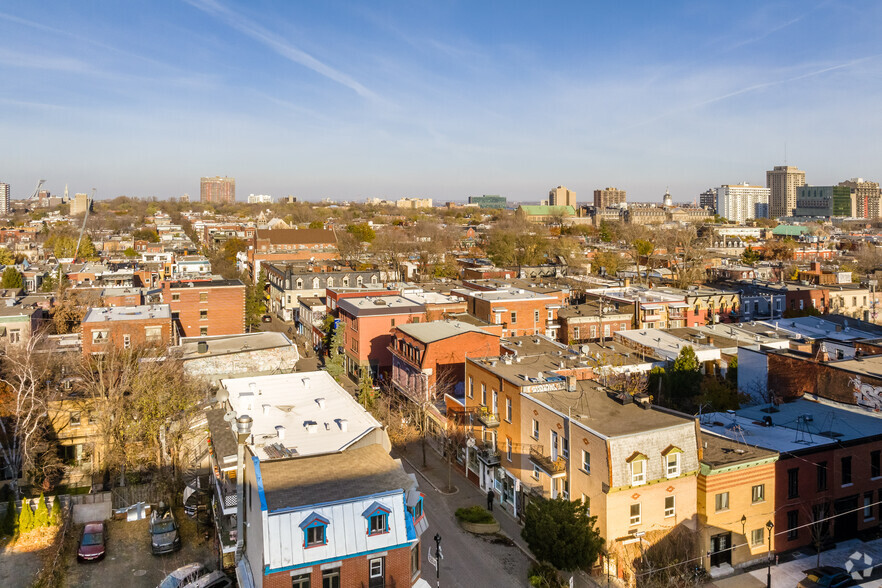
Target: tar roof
[720, 452]
[354, 473]
[203, 283]
[227, 344]
[590, 406]
[128, 313]
[813, 327]
[751, 431]
[592, 309]
[315, 413]
[438, 330]
[523, 370]
[826, 418]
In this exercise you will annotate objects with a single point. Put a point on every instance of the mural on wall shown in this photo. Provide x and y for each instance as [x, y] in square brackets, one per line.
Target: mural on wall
[866, 395]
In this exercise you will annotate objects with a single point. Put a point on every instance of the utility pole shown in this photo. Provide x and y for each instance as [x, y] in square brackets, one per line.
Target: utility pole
[438, 559]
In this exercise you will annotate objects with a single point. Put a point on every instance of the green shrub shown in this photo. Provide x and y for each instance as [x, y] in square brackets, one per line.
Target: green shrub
[475, 514]
[55, 513]
[26, 518]
[41, 515]
[543, 575]
[10, 520]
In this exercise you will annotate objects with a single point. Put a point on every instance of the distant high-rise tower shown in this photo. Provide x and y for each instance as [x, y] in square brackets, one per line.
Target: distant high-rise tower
[218, 190]
[561, 196]
[866, 197]
[783, 180]
[708, 199]
[609, 197]
[5, 199]
[79, 204]
[739, 202]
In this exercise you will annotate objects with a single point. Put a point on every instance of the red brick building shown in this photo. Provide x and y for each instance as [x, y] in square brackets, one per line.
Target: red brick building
[215, 307]
[127, 327]
[519, 311]
[594, 320]
[291, 245]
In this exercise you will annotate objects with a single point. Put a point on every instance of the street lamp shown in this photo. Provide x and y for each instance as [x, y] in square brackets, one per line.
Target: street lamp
[769, 526]
[438, 559]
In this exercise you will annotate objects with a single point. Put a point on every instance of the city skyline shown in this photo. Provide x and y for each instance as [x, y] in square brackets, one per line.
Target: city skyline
[348, 101]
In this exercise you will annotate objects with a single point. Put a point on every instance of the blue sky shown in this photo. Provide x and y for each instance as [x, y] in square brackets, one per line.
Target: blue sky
[438, 99]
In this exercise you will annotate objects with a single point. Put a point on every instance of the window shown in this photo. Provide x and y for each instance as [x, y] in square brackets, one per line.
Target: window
[378, 524]
[508, 447]
[586, 461]
[670, 508]
[535, 429]
[587, 502]
[721, 501]
[672, 460]
[203, 331]
[821, 472]
[484, 394]
[535, 472]
[414, 560]
[635, 514]
[508, 409]
[638, 472]
[75, 418]
[758, 493]
[606, 330]
[846, 470]
[300, 581]
[203, 297]
[127, 341]
[315, 535]
[875, 470]
[99, 337]
[375, 567]
[153, 334]
[576, 333]
[536, 316]
[757, 536]
[471, 387]
[203, 314]
[565, 448]
[393, 322]
[331, 578]
[792, 524]
[793, 483]
[868, 506]
[551, 315]
[15, 335]
[176, 297]
[514, 317]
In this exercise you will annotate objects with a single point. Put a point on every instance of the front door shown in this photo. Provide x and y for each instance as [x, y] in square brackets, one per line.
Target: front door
[721, 552]
[377, 578]
[845, 524]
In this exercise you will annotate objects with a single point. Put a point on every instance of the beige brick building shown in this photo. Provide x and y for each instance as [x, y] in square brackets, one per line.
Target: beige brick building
[782, 181]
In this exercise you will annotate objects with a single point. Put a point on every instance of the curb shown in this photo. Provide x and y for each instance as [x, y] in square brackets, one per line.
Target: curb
[426, 478]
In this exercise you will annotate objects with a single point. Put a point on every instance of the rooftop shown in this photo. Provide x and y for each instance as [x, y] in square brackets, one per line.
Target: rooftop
[355, 473]
[720, 452]
[128, 313]
[592, 308]
[667, 345]
[438, 330]
[812, 327]
[228, 344]
[821, 418]
[297, 236]
[751, 430]
[315, 414]
[203, 283]
[506, 294]
[590, 406]
[375, 305]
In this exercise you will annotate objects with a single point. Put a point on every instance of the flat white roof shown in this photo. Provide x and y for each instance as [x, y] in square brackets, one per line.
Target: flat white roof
[507, 294]
[128, 313]
[752, 432]
[666, 345]
[316, 414]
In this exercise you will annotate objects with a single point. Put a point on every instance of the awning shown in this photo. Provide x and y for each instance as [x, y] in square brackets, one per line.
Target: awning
[677, 305]
[652, 306]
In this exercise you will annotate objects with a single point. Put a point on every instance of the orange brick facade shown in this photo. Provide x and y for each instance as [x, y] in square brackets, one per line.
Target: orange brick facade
[125, 334]
[354, 572]
[206, 308]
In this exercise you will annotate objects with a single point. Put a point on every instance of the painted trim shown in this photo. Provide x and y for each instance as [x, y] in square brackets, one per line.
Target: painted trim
[267, 571]
[259, 479]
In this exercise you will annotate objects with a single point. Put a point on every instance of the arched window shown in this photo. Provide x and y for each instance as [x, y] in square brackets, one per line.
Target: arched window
[374, 279]
[299, 284]
[315, 282]
[359, 281]
[330, 282]
[345, 280]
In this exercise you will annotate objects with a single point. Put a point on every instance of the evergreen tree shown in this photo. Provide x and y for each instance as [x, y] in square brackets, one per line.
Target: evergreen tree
[335, 364]
[26, 518]
[10, 520]
[561, 533]
[12, 278]
[41, 515]
[366, 392]
[55, 513]
[684, 379]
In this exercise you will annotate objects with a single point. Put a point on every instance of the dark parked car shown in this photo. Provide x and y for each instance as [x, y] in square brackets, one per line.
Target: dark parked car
[267, 318]
[164, 536]
[93, 542]
[826, 577]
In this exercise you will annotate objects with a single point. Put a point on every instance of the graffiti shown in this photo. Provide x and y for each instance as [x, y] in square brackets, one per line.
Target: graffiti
[866, 395]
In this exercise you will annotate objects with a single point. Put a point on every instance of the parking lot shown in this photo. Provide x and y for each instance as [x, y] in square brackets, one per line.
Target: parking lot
[129, 563]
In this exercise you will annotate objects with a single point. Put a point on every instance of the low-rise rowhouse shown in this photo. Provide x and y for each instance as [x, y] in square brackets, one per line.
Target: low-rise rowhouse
[288, 283]
[226, 356]
[594, 320]
[127, 327]
[18, 322]
[325, 503]
[206, 307]
[519, 311]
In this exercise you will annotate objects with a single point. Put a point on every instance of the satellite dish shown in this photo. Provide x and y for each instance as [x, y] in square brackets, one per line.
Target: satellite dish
[230, 416]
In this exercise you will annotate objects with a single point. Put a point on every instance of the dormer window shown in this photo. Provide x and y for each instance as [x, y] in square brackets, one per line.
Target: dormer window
[377, 517]
[415, 505]
[638, 469]
[314, 531]
[671, 455]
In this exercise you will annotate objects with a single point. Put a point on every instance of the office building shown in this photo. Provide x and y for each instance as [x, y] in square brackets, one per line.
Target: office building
[562, 196]
[826, 201]
[782, 181]
[708, 199]
[217, 190]
[489, 201]
[866, 196]
[739, 202]
[608, 197]
[260, 199]
[80, 204]
[5, 199]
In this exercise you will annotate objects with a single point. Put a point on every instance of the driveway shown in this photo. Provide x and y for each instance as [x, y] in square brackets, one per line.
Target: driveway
[129, 563]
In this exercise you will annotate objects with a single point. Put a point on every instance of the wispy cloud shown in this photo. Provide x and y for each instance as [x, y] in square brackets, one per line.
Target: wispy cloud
[34, 61]
[277, 44]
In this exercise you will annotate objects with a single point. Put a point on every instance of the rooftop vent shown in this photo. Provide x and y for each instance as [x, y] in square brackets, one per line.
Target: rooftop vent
[321, 403]
[343, 424]
[202, 347]
[311, 427]
[280, 431]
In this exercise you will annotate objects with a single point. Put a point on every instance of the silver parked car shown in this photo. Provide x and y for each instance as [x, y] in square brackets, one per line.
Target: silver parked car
[164, 535]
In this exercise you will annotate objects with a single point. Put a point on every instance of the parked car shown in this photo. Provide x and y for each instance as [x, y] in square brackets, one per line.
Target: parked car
[93, 542]
[184, 576]
[164, 535]
[215, 579]
[826, 577]
[267, 318]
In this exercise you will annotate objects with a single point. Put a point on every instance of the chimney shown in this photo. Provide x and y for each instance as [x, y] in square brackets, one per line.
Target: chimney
[571, 383]
[280, 430]
[320, 402]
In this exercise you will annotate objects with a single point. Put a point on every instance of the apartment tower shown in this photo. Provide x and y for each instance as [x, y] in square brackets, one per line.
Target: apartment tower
[739, 202]
[708, 199]
[608, 197]
[5, 199]
[866, 197]
[782, 181]
[218, 190]
[562, 196]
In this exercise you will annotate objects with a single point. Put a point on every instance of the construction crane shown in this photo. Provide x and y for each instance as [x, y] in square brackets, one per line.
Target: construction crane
[83, 228]
[36, 194]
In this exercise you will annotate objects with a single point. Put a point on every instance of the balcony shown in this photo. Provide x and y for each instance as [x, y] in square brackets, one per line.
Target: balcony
[489, 455]
[226, 494]
[487, 418]
[556, 468]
